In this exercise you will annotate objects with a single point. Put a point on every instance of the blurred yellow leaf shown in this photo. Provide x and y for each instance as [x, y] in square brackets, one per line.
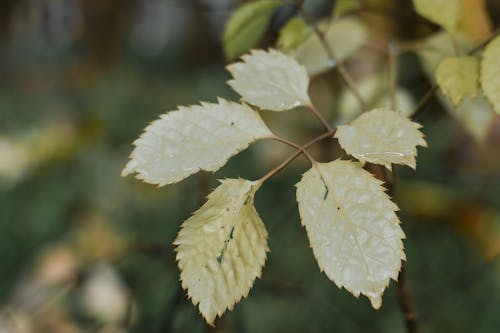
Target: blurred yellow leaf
[445, 13]
[490, 73]
[344, 36]
[458, 77]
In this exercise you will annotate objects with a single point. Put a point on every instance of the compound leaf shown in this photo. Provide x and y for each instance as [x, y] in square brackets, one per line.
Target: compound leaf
[490, 73]
[270, 80]
[445, 13]
[458, 77]
[222, 248]
[246, 26]
[352, 227]
[382, 137]
[193, 138]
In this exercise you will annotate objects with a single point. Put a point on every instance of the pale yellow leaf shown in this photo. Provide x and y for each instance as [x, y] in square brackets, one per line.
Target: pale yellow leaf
[490, 73]
[458, 77]
[198, 137]
[352, 227]
[383, 137]
[222, 248]
[344, 36]
[270, 80]
[445, 13]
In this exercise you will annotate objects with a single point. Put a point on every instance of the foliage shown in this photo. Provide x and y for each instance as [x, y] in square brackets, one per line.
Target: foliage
[219, 254]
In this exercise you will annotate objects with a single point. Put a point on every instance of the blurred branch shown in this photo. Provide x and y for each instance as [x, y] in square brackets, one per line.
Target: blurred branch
[404, 295]
[344, 74]
[405, 301]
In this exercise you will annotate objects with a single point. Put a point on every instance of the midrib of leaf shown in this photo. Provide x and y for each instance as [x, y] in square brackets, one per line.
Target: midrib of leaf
[349, 223]
[228, 237]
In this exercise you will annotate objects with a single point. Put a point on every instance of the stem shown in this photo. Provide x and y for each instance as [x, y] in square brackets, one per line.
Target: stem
[454, 44]
[405, 301]
[393, 73]
[423, 102]
[320, 117]
[296, 146]
[302, 149]
[485, 42]
[340, 67]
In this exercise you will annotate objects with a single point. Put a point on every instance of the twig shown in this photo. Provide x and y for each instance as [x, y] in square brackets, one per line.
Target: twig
[296, 146]
[485, 42]
[406, 304]
[393, 73]
[302, 149]
[320, 117]
[423, 102]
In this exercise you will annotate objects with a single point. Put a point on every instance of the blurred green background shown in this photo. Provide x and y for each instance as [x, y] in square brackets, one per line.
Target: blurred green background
[84, 250]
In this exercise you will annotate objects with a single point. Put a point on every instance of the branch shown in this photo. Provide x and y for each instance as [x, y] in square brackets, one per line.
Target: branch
[393, 72]
[296, 146]
[300, 149]
[320, 117]
[340, 67]
[406, 304]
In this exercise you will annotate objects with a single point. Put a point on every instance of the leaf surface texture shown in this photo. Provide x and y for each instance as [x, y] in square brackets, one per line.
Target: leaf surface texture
[222, 248]
[383, 137]
[352, 227]
[189, 139]
[270, 80]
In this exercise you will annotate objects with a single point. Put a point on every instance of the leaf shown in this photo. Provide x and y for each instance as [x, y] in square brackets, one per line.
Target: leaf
[458, 77]
[490, 73]
[382, 137]
[293, 34]
[246, 26]
[445, 13]
[344, 36]
[475, 115]
[222, 248]
[343, 7]
[352, 227]
[193, 138]
[270, 80]
[439, 46]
